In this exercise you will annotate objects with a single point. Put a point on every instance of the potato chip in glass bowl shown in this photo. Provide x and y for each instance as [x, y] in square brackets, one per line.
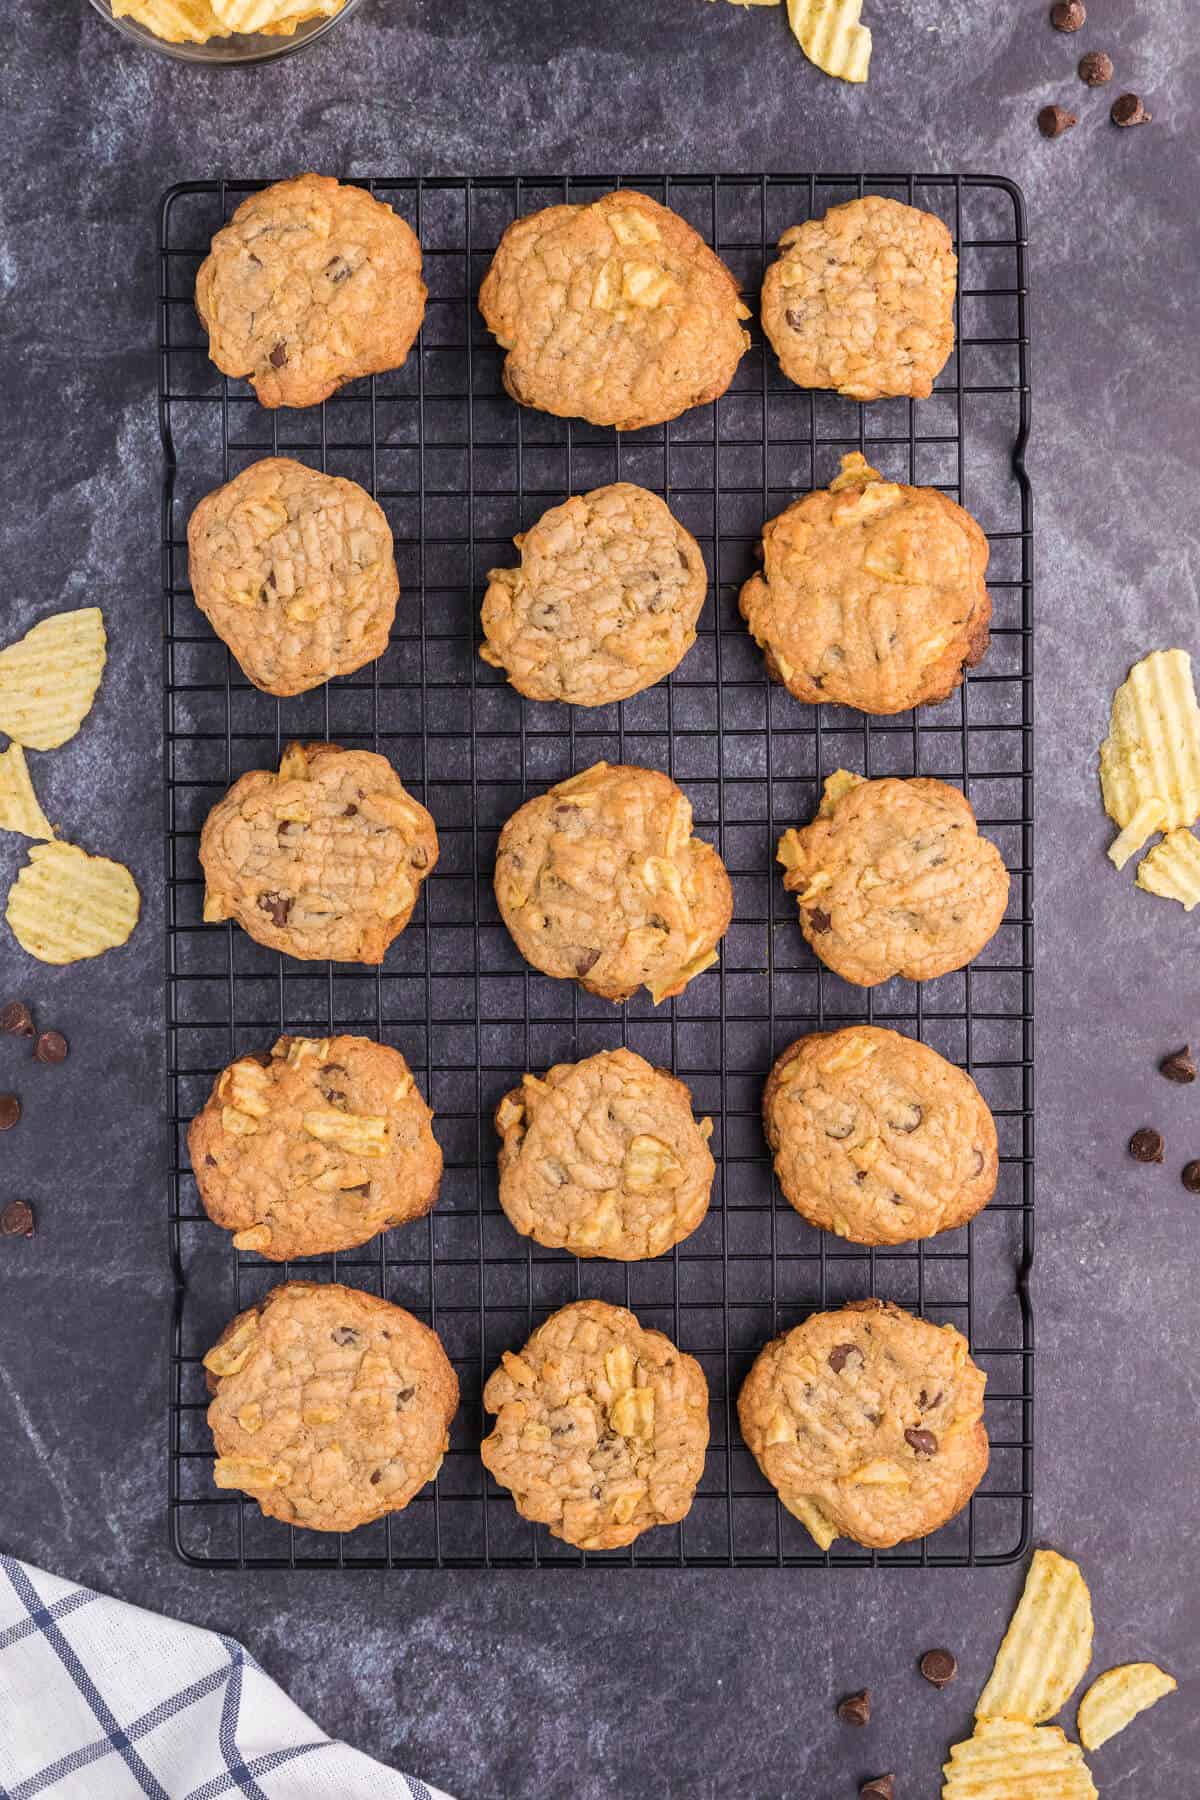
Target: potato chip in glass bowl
[224, 31]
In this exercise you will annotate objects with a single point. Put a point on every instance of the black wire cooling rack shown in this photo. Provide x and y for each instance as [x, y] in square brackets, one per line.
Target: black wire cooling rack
[459, 468]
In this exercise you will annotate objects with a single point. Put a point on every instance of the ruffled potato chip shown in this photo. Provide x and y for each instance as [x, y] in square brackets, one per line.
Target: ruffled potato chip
[19, 807]
[1047, 1646]
[174, 21]
[48, 678]
[1150, 760]
[1009, 1760]
[1172, 869]
[66, 905]
[1117, 1697]
[831, 35]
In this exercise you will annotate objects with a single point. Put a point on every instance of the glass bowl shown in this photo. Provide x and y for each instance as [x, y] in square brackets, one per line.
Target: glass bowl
[239, 47]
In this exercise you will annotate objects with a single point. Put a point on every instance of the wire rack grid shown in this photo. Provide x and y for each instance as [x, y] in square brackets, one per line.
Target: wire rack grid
[459, 468]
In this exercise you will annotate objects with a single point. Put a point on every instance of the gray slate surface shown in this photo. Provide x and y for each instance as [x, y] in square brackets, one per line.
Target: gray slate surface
[689, 1684]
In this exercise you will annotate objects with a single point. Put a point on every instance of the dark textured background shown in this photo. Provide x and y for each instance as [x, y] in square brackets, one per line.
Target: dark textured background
[627, 1684]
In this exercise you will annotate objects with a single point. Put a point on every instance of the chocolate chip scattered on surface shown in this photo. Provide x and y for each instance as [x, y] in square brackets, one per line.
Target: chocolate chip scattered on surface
[855, 1709]
[1068, 15]
[1054, 120]
[10, 1111]
[1127, 109]
[16, 1019]
[939, 1667]
[1179, 1066]
[1191, 1177]
[17, 1219]
[882, 1788]
[1096, 68]
[1146, 1145]
[51, 1047]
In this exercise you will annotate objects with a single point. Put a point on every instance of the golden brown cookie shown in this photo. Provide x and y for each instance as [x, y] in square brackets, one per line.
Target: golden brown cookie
[314, 1148]
[324, 860]
[617, 312]
[309, 285]
[329, 1406]
[603, 1158]
[893, 878]
[862, 300]
[878, 1138]
[601, 880]
[871, 594]
[601, 1426]
[605, 601]
[869, 1422]
[295, 571]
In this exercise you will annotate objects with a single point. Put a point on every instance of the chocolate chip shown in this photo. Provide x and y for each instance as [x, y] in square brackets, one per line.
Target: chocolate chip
[17, 1219]
[818, 920]
[882, 1788]
[1146, 1145]
[51, 1047]
[923, 1442]
[1179, 1067]
[278, 905]
[16, 1019]
[587, 959]
[1128, 110]
[376, 1477]
[1191, 1177]
[348, 812]
[10, 1111]
[419, 856]
[1068, 15]
[939, 1667]
[795, 318]
[840, 1355]
[337, 269]
[1096, 68]
[403, 1396]
[855, 1709]
[1054, 120]
[344, 1334]
[210, 1161]
[279, 356]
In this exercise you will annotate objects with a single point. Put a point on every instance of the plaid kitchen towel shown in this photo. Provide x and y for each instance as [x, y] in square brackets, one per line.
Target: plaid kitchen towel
[101, 1701]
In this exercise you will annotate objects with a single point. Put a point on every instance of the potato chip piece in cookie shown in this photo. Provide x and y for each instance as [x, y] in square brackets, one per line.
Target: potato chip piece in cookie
[48, 678]
[66, 905]
[1150, 760]
[20, 809]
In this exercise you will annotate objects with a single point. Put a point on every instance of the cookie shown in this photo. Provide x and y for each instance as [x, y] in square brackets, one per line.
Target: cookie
[601, 1427]
[617, 312]
[868, 1422]
[314, 1148]
[893, 878]
[324, 860]
[330, 1407]
[295, 571]
[862, 300]
[601, 880]
[603, 1158]
[878, 1138]
[871, 594]
[309, 285]
[605, 601]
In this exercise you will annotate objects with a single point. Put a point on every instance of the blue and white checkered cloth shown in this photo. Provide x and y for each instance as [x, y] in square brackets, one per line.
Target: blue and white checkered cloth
[101, 1701]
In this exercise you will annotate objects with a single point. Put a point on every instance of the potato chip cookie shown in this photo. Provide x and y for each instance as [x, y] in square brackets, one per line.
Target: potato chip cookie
[295, 571]
[617, 312]
[603, 1158]
[314, 1148]
[601, 1427]
[862, 300]
[310, 284]
[893, 878]
[605, 601]
[601, 881]
[878, 1138]
[323, 860]
[330, 1407]
[871, 594]
[869, 1423]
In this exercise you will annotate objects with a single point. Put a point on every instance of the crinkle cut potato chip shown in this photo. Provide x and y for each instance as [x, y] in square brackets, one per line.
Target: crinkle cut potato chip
[1007, 1759]
[19, 806]
[1047, 1646]
[196, 21]
[831, 35]
[66, 905]
[1117, 1697]
[274, 17]
[48, 678]
[1172, 869]
[1150, 760]
[174, 21]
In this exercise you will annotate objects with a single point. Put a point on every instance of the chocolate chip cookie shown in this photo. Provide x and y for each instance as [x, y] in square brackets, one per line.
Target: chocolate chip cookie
[605, 601]
[295, 571]
[617, 312]
[309, 285]
[315, 1147]
[330, 1407]
[878, 1138]
[603, 1158]
[871, 594]
[862, 300]
[324, 860]
[601, 880]
[893, 878]
[869, 1422]
[601, 1427]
